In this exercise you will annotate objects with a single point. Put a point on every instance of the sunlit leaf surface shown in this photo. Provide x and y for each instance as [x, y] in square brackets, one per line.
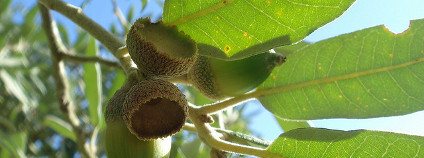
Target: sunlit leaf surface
[314, 142]
[368, 73]
[240, 28]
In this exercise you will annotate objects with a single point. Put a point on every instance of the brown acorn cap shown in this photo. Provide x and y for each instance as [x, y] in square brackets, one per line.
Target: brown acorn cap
[200, 75]
[115, 104]
[160, 50]
[154, 109]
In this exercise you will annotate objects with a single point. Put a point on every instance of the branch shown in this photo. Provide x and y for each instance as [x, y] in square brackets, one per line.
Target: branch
[75, 14]
[111, 42]
[242, 136]
[249, 138]
[215, 107]
[66, 106]
[211, 138]
[189, 127]
[128, 64]
[81, 58]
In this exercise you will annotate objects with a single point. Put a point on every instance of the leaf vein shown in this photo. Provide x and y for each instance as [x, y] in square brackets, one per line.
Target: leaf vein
[201, 13]
[270, 17]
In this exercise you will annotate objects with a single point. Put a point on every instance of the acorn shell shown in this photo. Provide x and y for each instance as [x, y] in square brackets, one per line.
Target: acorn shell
[115, 104]
[202, 77]
[154, 109]
[160, 50]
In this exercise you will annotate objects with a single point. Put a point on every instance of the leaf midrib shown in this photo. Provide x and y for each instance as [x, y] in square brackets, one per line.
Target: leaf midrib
[202, 12]
[268, 91]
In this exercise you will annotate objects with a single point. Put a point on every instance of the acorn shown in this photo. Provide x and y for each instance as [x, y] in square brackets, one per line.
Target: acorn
[154, 109]
[120, 142]
[218, 79]
[160, 50]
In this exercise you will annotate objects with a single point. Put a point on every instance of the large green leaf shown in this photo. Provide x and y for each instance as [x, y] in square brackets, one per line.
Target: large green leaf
[93, 84]
[241, 28]
[369, 73]
[287, 50]
[287, 125]
[313, 142]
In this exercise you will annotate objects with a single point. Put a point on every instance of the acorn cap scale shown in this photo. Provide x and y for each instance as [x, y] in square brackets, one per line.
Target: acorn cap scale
[160, 50]
[120, 142]
[202, 77]
[154, 108]
[115, 104]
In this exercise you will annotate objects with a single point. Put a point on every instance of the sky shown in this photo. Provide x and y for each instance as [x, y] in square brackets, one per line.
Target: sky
[394, 14]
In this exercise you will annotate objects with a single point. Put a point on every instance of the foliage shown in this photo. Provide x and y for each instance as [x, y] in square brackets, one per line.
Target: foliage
[365, 74]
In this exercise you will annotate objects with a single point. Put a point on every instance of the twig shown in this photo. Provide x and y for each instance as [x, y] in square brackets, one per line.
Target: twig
[215, 107]
[66, 106]
[128, 64]
[111, 42]
[249, 138]
[81, 58]
[189, 127]
[75, 14]
[211, 138]
[246, 137]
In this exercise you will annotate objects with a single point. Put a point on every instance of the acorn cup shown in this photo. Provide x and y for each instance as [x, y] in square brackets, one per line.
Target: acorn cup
[160, 50]
[120, 142]
[116, 103]
[154, 109]
[219, 79]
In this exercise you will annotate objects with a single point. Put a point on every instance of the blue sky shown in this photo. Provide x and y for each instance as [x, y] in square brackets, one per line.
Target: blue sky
[394, 14]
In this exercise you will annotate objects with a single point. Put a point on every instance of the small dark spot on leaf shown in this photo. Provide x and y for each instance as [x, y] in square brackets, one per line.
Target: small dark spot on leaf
[227, 48]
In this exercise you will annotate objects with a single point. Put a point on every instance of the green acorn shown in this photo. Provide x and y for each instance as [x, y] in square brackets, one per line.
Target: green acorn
[218, 79]
[120, 142]
[159, 50]
[154, 109]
